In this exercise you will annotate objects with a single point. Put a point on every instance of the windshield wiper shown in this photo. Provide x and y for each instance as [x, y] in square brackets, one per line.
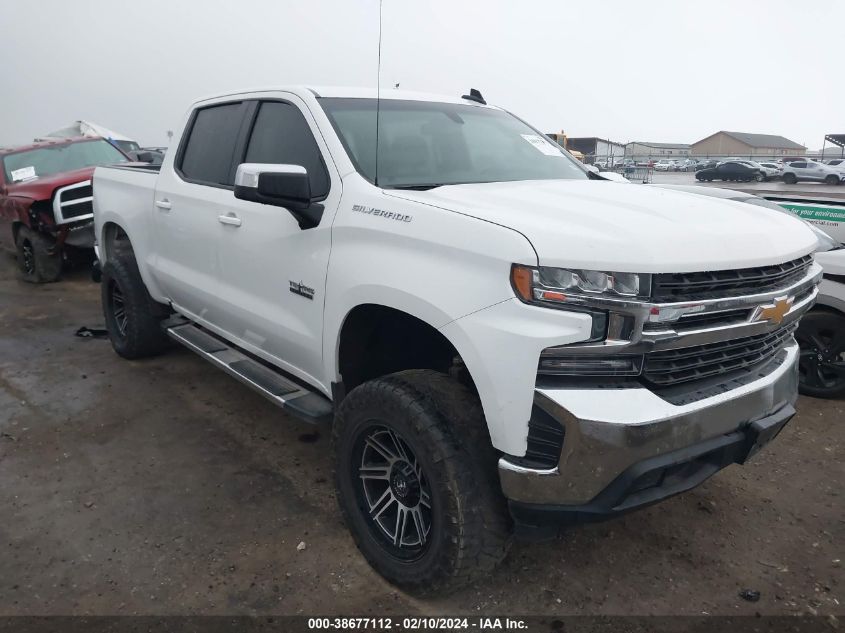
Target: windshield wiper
[424, 187]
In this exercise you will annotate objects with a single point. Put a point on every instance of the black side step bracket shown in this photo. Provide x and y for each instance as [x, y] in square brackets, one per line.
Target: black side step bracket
[295, 399]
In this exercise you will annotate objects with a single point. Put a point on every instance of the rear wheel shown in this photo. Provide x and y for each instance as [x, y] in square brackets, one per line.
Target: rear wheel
[759, 177]
[821, 368]
[790, 179]
[39, 260]
[416, 480]
[133, 318]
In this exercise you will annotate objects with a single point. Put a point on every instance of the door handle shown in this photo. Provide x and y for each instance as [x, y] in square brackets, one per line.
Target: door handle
[164, 204]
[230, 218]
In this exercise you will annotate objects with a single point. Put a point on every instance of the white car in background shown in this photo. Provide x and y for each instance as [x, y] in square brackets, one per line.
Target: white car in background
[836, 163]
[820, 333]
[664, 164]
[772, 169]
[812, 170]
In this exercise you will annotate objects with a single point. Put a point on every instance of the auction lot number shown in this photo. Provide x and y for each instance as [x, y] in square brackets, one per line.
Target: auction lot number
[415, 624]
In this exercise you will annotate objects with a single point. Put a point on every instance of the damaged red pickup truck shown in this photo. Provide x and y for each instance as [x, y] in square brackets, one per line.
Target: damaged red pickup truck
[45, 194]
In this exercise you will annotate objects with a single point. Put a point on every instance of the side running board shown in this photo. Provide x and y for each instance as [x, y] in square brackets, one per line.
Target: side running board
[293, 398]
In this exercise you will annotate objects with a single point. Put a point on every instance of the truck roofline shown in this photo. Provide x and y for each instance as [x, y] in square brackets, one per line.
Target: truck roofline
[348, 92]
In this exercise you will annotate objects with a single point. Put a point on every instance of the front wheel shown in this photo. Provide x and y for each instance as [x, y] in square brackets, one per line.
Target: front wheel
[416, 481]
[832, 179]
[821, 367]
[39, 259]
[759, 177]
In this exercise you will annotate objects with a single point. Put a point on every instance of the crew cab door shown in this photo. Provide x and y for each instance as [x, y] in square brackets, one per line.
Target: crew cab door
[272, 272]
[192, 190]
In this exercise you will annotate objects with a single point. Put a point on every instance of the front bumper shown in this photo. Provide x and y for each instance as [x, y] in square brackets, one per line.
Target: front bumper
[80, 234]
[615, 439]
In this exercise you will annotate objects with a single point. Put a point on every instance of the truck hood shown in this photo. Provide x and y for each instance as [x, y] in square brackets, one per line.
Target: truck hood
[42, 188]
[628, 228]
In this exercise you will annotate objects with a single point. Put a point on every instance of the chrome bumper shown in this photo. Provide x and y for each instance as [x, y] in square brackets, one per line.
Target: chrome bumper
[608, 431]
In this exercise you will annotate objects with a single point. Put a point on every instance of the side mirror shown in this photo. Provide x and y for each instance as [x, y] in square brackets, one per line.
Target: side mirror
[144, 157]
[285, 186]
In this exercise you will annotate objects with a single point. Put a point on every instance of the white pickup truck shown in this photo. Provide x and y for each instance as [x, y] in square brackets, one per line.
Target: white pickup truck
[500, 341]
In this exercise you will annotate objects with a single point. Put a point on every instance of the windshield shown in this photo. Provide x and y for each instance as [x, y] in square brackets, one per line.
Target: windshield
[127, 146]
[46, 161]
[425, 144]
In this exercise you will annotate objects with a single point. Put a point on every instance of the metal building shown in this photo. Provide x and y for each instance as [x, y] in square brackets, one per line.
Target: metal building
[744, 144]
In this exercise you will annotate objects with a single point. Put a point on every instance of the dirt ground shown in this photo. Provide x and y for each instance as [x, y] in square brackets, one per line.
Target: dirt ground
[166, 487]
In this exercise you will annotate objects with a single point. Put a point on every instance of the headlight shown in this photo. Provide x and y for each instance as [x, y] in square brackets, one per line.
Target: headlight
[577, 286]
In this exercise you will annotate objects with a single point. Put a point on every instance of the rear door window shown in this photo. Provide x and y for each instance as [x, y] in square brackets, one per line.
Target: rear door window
[209, 151]
[281, 136]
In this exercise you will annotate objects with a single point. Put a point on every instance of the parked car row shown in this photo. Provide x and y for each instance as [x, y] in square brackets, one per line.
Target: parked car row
[741, 170]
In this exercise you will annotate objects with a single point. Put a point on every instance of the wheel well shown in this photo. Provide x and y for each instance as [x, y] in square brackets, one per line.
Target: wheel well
[376, 340]
[823, 307]
[114, 239]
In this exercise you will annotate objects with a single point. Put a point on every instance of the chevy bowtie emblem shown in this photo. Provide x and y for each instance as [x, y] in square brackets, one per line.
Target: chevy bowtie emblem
[773, 313]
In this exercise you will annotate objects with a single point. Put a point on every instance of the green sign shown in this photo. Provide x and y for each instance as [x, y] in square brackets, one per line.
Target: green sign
[817, 212]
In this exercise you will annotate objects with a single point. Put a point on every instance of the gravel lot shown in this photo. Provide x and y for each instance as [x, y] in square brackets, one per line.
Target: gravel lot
[166, 487]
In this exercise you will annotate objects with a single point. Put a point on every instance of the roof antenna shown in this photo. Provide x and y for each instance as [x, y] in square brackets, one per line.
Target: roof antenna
[378, 89]
[474, 95]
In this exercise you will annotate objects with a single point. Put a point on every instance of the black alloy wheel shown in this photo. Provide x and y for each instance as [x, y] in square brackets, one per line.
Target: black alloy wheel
[28, 260]
[821, 366]
[118, 306]
[393, 491]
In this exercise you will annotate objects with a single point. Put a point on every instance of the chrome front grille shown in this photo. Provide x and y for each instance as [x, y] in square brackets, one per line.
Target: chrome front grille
[673, 287]
[74, 202]
[690, 343]
[671, 367]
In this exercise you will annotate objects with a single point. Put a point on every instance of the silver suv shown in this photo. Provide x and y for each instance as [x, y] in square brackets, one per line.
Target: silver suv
[811, 170]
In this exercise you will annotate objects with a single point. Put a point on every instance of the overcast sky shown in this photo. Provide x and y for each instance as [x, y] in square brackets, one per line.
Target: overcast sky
[646, 70]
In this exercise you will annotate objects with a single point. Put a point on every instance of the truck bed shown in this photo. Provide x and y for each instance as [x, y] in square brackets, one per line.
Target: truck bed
[125, 194]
